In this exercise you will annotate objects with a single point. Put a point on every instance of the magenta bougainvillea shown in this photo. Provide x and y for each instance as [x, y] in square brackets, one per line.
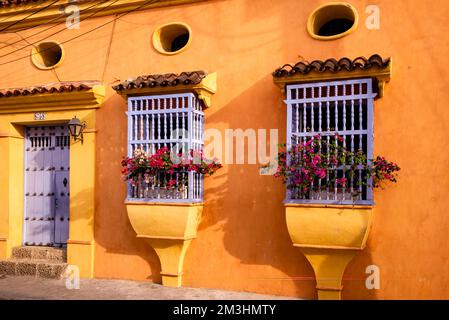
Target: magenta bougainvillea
[321, 162]
[170, 167]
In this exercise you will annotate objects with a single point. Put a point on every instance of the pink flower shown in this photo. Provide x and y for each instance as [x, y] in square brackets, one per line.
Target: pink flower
[321, 173]
[342, 182]
[298, 180]
[308, 143]
[316, 159]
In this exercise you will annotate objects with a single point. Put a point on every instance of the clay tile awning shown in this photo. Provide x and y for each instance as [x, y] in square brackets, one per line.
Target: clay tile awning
[200, 82]
[76, 94]
[332, 69]
[55, 87]
[161, 80]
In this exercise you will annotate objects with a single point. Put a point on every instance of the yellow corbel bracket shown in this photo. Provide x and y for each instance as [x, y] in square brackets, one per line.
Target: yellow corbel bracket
[206, 89]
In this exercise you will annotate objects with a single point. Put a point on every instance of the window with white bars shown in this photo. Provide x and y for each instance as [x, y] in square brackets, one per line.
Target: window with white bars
[329, 108]
[172, 121]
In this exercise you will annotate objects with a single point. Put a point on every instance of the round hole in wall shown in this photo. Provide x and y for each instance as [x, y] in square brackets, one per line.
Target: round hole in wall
[332, 21]
[47, 55]
[172, 38]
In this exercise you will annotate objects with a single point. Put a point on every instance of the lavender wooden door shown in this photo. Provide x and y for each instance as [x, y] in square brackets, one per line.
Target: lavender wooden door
[46, 186]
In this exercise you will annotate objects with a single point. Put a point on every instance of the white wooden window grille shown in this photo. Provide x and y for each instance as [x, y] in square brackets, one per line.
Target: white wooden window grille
[329, 108]
[175, 121]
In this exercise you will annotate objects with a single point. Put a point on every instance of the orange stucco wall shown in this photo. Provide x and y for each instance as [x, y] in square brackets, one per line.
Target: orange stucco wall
[243, 242]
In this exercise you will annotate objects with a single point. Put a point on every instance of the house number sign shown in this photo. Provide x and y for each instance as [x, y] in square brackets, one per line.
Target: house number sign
[40, 116]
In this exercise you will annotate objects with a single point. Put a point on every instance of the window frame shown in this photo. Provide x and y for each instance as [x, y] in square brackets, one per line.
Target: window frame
[291, 102]
[192, 110]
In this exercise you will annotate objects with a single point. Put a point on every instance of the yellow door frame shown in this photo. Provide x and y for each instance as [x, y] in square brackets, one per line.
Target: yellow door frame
[18, 112]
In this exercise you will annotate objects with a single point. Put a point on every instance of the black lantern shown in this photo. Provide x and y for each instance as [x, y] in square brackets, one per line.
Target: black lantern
[76, 128]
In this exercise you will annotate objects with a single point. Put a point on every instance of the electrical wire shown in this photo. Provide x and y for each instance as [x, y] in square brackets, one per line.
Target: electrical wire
[87, 32]
[54, 70]
[108, 53]
[46, 29]
[59, 31]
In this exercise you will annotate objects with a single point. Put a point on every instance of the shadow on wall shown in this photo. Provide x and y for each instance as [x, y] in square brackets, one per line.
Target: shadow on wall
[80, 207]
[243, 210]
[362, 273]
[355, 278]
[247, 210]
[118, 253]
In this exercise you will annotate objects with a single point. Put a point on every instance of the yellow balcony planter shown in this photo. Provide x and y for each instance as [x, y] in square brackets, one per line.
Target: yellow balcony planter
[329, 236]
[169, 229]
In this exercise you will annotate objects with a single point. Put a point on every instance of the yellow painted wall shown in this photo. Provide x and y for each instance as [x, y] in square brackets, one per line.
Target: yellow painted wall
[4, 197]
[243, 243]
[11, 184]
[16, 190]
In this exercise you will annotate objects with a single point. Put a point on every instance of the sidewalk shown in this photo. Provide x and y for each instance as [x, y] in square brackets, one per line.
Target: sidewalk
[20, 288]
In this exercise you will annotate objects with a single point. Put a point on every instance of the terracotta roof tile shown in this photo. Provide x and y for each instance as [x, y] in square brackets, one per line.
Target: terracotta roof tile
[55, 87]
[331, 65]
[162, 80]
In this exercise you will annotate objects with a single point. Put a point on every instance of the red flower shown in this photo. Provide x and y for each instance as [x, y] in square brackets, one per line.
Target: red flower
[171, 183]
[161, 162]
[340, 138]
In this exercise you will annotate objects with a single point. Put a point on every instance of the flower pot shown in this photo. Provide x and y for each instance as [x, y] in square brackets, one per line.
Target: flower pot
[168, 228]
[329, 237]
